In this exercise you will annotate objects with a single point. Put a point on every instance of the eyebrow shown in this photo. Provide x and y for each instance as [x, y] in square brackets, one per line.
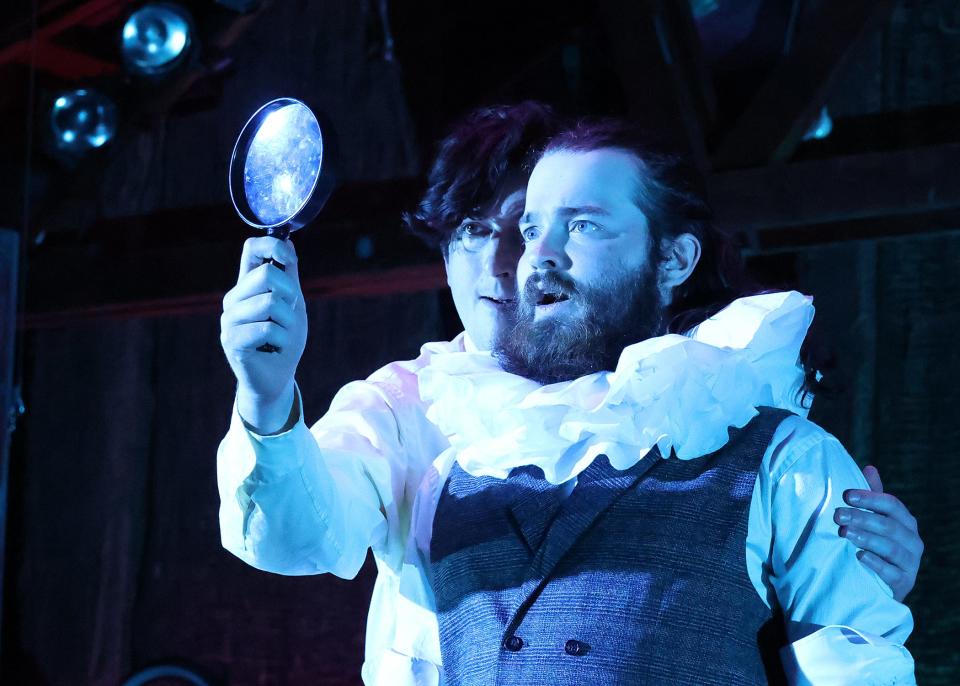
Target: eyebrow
[569, 211]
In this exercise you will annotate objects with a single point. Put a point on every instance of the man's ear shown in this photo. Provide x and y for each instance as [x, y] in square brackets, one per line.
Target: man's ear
[681, 255]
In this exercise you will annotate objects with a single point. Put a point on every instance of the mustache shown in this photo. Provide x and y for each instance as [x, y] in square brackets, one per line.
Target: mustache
[556, 283]
[583, 339]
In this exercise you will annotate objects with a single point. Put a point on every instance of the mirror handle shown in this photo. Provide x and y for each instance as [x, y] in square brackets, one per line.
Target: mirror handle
[280, 233]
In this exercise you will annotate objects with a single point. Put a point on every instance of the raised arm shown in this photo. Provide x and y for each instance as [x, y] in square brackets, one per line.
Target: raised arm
[295, 501]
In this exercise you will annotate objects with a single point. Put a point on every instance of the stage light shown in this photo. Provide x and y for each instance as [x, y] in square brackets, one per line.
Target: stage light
[155, 38]
[821, 128]
[81, 120]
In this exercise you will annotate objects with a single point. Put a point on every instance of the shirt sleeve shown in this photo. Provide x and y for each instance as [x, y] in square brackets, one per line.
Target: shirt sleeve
[841, 617]
[309, 501]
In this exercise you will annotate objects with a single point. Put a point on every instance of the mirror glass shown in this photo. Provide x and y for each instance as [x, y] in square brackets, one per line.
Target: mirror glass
[282, 162]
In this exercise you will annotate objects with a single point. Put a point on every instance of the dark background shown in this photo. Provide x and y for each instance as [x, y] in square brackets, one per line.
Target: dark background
[112, 558]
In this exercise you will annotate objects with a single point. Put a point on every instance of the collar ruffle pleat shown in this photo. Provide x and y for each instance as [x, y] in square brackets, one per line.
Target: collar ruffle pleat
[681, 394]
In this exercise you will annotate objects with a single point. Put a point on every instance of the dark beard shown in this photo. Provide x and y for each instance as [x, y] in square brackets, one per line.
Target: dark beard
[609, 318]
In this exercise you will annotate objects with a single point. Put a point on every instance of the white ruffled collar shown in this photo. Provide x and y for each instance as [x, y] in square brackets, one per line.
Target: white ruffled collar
[679, 393]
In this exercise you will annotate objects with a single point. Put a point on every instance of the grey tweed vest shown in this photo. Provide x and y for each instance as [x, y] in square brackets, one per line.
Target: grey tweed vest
[637, 577]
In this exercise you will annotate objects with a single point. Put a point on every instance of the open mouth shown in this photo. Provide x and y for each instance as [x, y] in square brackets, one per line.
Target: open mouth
[551, 298]
[496, 301]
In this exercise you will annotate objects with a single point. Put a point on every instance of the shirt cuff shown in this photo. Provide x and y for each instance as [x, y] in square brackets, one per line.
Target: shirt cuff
[841, 656]
[280, 453]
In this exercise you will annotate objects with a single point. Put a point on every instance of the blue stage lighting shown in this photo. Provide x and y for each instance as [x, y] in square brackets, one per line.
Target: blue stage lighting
[155, 38]
[81, 120]
[821, 128]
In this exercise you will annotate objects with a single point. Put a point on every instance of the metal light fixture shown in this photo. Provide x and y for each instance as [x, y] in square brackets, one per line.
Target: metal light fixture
[155, 38]
[81, 120]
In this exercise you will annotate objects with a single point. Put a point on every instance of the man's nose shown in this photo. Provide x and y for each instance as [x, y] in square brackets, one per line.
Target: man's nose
[504, 254]
[548, 251]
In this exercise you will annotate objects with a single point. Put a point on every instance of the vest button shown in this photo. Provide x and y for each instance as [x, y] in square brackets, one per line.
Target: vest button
[575, 648]
[513, 643]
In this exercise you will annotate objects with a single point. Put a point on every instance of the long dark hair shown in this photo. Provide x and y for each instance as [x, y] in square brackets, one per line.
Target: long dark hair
[488, 148]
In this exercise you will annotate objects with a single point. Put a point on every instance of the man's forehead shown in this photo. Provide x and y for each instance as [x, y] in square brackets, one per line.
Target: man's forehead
[594, 180]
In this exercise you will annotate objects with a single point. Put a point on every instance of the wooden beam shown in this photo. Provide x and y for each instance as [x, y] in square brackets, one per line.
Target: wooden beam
[855, 187]
[775, 121]
[181, 262]
[66, 63]
[649, 56]
[692, 85]
[797, 237]
[9, 279]
[372, 284]
[89, 13]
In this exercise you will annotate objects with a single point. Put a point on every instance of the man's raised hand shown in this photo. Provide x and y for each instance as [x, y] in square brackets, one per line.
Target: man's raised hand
[265, 307]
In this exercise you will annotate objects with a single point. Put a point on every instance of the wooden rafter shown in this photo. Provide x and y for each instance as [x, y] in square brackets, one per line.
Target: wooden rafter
[122, 269]
[59, 60]
[656, 52]
[776, 119]
[862, 196]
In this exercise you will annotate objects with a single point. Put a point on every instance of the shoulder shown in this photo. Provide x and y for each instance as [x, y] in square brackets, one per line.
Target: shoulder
[386, 407]
[397, 383]
[810, 455]
[406, 370]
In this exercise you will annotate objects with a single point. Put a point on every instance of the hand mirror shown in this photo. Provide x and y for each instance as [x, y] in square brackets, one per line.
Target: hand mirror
[279, 179]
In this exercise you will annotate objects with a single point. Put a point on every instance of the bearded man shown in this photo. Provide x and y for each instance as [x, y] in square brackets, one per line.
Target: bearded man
[660, 511]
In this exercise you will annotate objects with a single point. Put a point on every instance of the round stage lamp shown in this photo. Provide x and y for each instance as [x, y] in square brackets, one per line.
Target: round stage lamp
[81, 120]
[155, 38]
[279, 178]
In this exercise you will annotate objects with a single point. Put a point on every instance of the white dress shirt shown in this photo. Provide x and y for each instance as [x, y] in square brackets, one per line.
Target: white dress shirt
[367, 475]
